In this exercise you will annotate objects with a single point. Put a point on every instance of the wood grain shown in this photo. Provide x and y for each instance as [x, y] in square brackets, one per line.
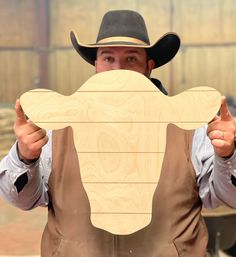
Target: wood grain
[119, 119]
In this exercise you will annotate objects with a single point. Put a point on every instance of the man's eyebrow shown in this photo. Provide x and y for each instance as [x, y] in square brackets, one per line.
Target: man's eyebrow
[129, 51]
[133, 52]
[105, 52]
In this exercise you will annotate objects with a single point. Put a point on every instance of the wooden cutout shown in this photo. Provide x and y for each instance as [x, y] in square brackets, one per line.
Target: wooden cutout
[119, 119]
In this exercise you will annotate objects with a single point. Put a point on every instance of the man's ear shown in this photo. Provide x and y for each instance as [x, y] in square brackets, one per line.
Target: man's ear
[95, 65]
[150, 66]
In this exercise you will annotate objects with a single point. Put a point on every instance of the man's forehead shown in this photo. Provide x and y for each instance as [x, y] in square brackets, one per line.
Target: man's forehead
[120, 49]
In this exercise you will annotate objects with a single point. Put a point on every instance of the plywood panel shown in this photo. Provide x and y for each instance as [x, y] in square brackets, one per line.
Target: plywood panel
[18, 22]
[120, 167]
[116, 137]
[119, 197]
[112, 114]
[123, 220]
[95, 107]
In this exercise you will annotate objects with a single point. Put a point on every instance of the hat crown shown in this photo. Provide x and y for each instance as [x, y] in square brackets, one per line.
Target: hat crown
[126, 28]
[127, 24]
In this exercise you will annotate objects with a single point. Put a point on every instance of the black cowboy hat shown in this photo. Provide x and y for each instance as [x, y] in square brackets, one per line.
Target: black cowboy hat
[127, 28]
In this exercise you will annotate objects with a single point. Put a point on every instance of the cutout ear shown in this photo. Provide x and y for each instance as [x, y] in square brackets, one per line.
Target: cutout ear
[192, 108]
[41, 107]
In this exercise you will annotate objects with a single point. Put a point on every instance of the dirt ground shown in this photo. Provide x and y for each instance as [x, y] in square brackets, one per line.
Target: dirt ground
[20, 231]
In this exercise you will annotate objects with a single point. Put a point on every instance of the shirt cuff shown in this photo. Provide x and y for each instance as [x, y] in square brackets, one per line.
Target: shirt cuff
[226, 165]
[17, 167]
[221, 180]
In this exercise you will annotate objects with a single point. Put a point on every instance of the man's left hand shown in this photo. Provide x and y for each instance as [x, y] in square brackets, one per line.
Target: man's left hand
[221, 131]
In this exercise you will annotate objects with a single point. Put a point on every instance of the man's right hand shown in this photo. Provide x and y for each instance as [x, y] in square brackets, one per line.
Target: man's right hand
[30, 137]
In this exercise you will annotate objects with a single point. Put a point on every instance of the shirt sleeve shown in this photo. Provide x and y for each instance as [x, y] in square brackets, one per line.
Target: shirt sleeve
[35, 192]
[214, 174]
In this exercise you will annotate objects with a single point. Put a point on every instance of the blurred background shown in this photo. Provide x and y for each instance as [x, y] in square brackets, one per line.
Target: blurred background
[36, 52]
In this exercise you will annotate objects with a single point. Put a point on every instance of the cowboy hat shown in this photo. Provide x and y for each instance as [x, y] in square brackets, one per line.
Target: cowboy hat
[127, 28]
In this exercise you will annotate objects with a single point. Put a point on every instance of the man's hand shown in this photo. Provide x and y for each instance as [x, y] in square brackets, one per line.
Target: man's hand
[221, 131]
[30, 137]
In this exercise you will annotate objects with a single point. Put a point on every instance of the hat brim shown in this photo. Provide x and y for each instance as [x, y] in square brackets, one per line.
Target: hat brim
[162, 51]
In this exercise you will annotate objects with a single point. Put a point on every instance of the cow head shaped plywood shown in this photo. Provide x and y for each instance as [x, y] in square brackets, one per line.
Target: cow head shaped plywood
[119, 119]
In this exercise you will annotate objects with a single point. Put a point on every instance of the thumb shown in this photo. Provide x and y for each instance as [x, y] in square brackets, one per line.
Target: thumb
[224, 111]
[20, 116]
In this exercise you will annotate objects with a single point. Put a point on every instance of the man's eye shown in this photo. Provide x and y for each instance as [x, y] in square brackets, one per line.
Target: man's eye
[108, 59]
[131, 59]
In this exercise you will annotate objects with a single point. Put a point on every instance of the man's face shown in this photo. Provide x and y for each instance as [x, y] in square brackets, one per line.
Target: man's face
[128, 58]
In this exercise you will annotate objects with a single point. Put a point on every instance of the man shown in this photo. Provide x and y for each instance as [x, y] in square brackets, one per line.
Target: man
[30, 176]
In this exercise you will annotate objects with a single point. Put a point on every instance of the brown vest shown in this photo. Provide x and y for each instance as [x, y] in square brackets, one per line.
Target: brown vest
[176, 229]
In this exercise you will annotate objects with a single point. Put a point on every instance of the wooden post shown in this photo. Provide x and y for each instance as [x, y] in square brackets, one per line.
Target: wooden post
[171, 76]
[43, 41]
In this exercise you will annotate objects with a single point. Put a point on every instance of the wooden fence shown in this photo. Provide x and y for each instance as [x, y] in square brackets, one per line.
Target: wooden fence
[35, 49]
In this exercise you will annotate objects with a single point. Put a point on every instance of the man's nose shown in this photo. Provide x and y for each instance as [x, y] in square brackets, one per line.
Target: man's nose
[119, 65]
